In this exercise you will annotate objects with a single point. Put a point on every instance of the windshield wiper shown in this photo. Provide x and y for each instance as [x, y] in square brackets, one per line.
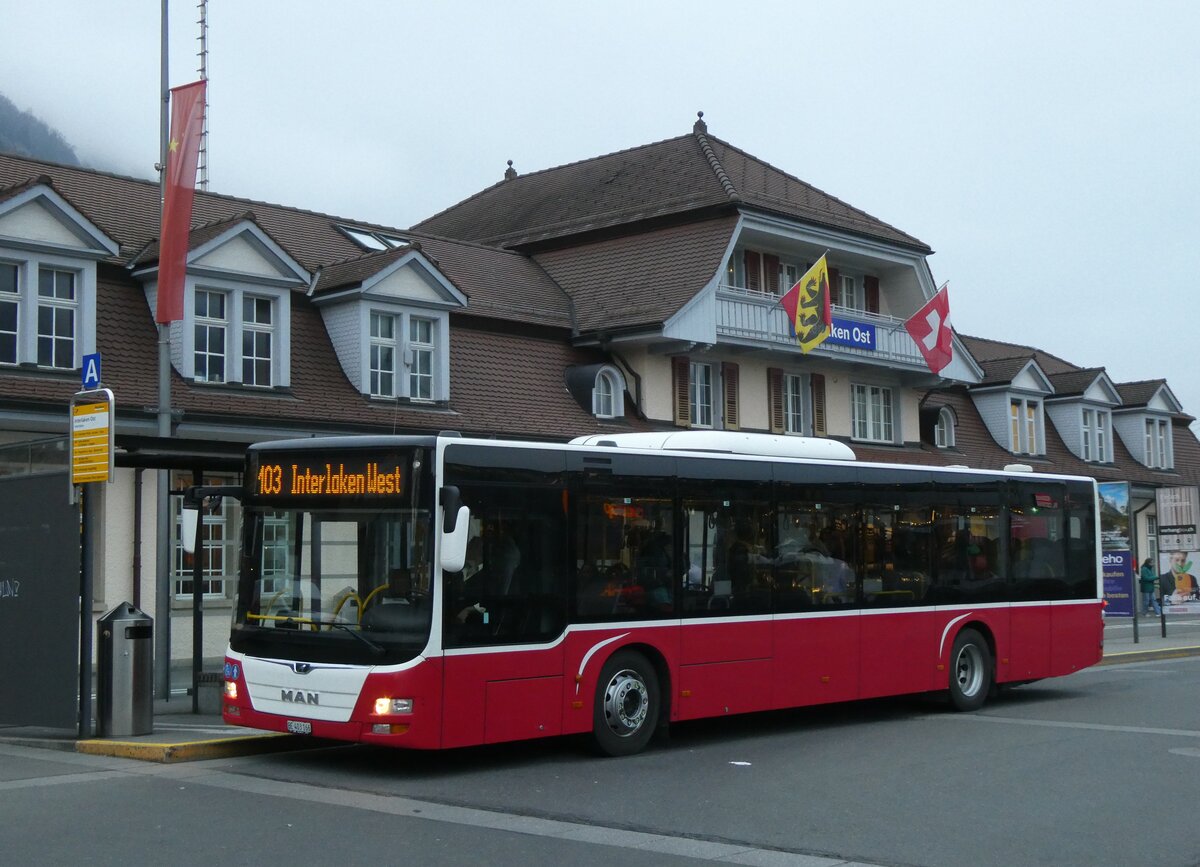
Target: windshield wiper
[377, 649]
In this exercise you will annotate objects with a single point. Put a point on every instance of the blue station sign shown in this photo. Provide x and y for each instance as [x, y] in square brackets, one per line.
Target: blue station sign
[858, 335]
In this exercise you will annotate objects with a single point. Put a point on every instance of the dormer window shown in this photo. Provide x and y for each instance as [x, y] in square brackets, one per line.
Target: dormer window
[47, 279]
[608, 394]
[383, 354]
[1159, 450]
[1024, 424]
[1095, 432]
[234, 336]
[943, 429]
[390, 358]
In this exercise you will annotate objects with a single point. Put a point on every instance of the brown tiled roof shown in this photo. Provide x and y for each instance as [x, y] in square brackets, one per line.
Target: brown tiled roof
[1002, 370]
[984, 349]
[355, 271]
[638, 280]
[690, 173]
[503, 284]
[975, 447]
[1139, 393]
[1074, 382]
[523, 396]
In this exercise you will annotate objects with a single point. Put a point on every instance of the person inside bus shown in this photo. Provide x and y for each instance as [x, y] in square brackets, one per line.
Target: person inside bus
[491, 560]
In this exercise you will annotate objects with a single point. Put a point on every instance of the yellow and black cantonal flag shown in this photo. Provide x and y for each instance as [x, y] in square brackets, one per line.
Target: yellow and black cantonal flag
[807, 306]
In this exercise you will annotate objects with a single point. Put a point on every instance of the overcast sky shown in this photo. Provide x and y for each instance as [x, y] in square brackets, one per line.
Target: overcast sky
[1047, 151]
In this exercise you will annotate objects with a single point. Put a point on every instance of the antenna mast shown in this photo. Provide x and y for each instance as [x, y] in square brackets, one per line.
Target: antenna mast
[202, 183]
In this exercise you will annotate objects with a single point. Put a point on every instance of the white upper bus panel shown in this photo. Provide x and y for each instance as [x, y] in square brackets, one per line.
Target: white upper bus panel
[725, 441]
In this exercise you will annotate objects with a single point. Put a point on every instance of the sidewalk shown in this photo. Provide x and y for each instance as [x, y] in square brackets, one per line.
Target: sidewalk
[1182, 638]
[182, 736]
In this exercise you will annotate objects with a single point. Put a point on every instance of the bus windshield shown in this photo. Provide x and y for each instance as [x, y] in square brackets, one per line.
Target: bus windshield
[341, 574]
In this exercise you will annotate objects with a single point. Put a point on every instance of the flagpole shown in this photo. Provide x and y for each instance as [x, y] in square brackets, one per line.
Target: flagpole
[162, 595]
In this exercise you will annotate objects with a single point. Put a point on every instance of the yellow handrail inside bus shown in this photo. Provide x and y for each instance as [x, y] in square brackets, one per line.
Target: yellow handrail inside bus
[337, 609]
[367, 601]
[285, 618]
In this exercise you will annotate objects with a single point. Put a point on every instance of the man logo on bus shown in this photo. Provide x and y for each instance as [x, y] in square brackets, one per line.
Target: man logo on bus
[298, 696]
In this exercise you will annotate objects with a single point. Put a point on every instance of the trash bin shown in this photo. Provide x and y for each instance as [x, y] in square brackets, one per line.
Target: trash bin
[125, 679]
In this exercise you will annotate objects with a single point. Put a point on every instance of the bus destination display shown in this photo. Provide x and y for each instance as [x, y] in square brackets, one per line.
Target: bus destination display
[342, 477]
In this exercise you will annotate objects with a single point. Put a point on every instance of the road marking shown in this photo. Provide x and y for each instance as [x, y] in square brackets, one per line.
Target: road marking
[1056, 724]
[703, 850]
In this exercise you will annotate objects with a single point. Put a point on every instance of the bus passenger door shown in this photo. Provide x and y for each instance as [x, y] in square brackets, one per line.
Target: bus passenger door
[502, 617]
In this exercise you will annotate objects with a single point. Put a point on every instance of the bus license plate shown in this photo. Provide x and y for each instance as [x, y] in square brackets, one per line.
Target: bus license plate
[299, 728]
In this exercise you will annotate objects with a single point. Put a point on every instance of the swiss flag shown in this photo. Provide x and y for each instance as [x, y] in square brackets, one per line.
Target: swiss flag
[930, 328]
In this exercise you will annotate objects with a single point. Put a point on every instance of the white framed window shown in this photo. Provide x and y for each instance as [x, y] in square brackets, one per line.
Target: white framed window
[850, 293]
[209, 331]
[258, 337]
[217, 548]
[943, 429]
[1023, 416]
[382, 354]
[1159, 450]
[276, 553]
[793, 403]
[872, 409]
[420, 357]
[608, 394]
[56, 310]
[700, 394]
[10, 310]
[1095, 438]
[236, 335]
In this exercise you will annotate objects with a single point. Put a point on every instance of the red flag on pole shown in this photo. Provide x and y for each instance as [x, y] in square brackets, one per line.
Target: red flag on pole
[930, 328]
[183, 153]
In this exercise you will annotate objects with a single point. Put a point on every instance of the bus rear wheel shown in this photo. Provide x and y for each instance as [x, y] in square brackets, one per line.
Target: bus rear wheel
[970, 671]
[627, 705]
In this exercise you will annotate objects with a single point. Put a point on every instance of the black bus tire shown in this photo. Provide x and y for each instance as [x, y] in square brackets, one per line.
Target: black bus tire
[970, 671]
[627, 705]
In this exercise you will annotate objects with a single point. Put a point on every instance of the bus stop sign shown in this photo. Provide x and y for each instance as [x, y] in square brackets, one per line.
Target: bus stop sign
[91, 371]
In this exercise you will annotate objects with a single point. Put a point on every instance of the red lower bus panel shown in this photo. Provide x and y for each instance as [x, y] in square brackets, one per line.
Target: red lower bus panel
[816, 660]
[476, 712]
[720, 688]
[1029, 653]
[898, 652]
[1076, 636]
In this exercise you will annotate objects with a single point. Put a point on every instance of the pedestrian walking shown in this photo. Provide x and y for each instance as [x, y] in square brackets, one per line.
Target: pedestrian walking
[1149, 581]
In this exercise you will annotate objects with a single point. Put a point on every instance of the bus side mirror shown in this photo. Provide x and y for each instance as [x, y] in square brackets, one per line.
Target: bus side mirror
[456, 521]
[193, 502]
[190, 519]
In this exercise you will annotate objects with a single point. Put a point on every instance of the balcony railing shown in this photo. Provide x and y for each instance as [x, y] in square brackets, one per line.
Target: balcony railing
[758, 317]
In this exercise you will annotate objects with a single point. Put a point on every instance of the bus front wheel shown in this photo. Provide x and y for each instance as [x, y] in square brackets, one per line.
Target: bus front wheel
[627, 705]
[970, 671]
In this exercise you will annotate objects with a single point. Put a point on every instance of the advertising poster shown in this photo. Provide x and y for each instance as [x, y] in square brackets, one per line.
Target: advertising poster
[1177, 581]
[1114, 516]
[1118, 583]
[1177, 509]
[1117, 560]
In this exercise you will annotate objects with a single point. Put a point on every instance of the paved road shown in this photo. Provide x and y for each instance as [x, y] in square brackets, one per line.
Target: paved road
[1095, 769]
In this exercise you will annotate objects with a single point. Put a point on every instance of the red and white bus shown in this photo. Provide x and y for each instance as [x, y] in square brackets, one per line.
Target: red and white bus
[439, 591]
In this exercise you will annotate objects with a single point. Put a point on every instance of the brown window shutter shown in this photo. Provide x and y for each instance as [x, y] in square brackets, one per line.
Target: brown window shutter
[753, 262]
[729, 377]
[871, 284]
[775, 399]
[679, 381]
[818, 401]
[771, 272]
[835, 286]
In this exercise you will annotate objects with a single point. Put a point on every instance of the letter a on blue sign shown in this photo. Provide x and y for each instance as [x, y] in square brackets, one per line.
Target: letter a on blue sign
[91, 370]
